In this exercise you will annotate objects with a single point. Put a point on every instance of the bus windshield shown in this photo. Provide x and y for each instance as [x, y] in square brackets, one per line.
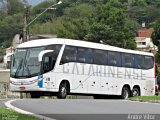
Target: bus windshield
[25, 62]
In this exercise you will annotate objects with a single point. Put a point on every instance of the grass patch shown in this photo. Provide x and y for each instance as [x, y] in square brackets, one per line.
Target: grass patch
[6, 114]
[146, 98]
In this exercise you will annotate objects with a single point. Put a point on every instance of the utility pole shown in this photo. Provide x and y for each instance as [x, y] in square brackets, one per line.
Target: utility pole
[26, 14]
[129, 6]
[25, 33]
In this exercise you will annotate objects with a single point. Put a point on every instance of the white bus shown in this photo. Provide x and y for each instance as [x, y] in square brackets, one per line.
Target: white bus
[63, 66]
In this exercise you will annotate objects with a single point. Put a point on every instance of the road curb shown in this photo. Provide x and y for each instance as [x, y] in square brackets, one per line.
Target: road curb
[10, 106]
[145, 101]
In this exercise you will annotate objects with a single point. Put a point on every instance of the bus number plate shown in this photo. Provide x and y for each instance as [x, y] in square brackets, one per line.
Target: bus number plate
[21, 88]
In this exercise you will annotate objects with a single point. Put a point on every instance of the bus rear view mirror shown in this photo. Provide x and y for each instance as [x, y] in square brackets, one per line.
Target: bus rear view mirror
[6, 57]
[41, 54]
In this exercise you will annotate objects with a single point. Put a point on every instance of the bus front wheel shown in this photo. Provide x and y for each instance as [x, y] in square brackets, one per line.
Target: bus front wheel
[125, 93]
[62, 94]
[35, 95]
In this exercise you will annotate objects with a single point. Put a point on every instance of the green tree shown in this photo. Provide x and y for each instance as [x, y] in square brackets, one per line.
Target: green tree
[74, 28]
[11, 21]
[76, 21]
[156, 34]
[95, 23]
[153, 2]
[133, 25]
[49, 14]
[2, 15]
[80, 11]
[139, 3]
[14, 6]
[100, 32]
[90, 20]
[145, 13]
[111, 26]
[71, 3]
[156, 39]
[10, 26]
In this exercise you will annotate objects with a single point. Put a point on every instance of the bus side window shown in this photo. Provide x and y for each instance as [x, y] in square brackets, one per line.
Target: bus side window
[47, 64]
[149, 62]
[114, 59]
[139, 61]
[54, 55]
[69, 55]
[100, 57]
[90, 53]
[81, 55]
[127, 60]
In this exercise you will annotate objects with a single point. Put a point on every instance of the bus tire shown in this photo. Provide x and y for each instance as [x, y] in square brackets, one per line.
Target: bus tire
[34, 95]
[62, 93]
[125, 93]
[98, 97]
[135, 92]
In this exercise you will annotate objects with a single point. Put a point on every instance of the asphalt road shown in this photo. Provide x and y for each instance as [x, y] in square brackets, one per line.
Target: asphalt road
[89, 109]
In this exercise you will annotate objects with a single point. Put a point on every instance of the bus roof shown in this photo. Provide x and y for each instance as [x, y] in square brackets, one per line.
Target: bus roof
[45, 42]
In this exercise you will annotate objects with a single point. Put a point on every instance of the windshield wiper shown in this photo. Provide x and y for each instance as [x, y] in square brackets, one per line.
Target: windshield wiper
[19, 67]
[28, 71]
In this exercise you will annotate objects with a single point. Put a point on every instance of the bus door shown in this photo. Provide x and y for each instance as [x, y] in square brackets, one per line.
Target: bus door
[47, 71]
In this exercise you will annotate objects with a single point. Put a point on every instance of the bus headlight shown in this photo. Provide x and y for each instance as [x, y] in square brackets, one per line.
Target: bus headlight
[33, 81]
[15, 83]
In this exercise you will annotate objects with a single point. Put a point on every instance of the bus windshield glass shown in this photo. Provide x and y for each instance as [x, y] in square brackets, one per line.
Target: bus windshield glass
[25, 62]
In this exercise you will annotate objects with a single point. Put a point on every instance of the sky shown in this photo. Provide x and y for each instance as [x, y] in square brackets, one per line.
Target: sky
[34, 2]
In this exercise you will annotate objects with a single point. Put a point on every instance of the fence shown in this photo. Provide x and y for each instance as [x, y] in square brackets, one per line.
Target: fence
[5, 93]
[4, 86]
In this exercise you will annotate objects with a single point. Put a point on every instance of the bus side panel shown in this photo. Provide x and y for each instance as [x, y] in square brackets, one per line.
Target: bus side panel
[81, 78]
[133, 78]
[147, 82]
[107, 83]
[94, 79]
[64, 72]
[49, 81]
[114, 79]
[124, 77]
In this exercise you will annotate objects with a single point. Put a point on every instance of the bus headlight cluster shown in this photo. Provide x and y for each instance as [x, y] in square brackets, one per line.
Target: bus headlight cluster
[15, 83]
[33, 81]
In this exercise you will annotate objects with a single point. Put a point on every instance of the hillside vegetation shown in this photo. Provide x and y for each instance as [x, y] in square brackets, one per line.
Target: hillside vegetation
[115, 22]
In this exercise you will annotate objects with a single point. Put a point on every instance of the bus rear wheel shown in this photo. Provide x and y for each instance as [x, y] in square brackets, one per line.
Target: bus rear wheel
[62, 93]
[135, 92]
[98, 97]
[125, 93]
